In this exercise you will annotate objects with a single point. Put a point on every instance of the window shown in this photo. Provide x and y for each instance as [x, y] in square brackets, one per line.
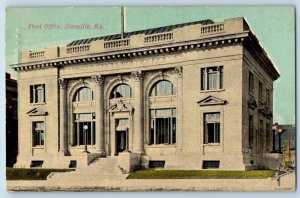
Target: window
[268, 97]
[162, 88]
[37, 93]
[251, 131]
[212, 78]
[84, 94]
[73, 164]
[121, 91]
[156, 164]
[251, 83]
[211, 128]
[260, 91]
[163, 126]
[36, 163]
[81, 135]
[38, 135]
[211, 164]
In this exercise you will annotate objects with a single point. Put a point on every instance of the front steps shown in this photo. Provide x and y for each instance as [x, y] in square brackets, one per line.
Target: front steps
[99, 169]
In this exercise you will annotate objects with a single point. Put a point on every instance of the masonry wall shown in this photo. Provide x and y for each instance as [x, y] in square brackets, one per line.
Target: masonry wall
[261, 144]
[26, 152]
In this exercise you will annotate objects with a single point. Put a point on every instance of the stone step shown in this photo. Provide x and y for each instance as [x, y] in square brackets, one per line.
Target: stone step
[99, 169]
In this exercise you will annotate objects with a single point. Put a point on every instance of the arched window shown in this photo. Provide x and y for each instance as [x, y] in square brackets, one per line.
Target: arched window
[162, 119]
[162, 88]
[121, 91]
[84, 94]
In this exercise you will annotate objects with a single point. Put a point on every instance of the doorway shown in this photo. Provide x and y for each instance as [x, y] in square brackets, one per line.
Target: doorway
[121, 142]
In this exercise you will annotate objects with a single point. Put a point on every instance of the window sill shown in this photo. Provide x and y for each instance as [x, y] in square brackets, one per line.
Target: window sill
[38, 103]
[212, 144]
[161, 146]
[214, 90]
[82, 147]
[38, 147]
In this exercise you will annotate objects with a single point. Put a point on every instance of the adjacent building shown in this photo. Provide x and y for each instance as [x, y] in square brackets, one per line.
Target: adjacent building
[11, 120]
[196, 95]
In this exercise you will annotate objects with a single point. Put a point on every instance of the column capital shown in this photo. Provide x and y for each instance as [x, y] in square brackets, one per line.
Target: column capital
[179, 71]
[137, 75]
[62, 83]
[99, 79]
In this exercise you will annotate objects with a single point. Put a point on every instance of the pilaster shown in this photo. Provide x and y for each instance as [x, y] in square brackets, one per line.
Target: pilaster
[138, 142]
[63, 119]
[99, 98]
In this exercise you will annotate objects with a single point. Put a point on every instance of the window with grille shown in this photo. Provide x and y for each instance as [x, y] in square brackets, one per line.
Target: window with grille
[83, 136]
[163, 126]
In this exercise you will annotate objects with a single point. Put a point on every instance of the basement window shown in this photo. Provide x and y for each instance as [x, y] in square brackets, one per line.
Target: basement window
[214, 164]
[36, 163]
[156, 164]
[73, 164]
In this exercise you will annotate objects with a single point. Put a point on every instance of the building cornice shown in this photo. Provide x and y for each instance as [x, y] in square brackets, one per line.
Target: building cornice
[134, 52]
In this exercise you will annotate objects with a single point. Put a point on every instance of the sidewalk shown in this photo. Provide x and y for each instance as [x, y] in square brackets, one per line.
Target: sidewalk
[287, 183]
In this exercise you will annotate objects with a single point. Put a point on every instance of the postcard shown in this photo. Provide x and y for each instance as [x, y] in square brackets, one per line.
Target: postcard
[150, 99]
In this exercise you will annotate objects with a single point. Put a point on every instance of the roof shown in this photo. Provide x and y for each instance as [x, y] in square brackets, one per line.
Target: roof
[146, 32]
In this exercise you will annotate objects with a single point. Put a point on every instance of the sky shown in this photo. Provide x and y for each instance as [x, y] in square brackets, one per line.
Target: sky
[273, 25]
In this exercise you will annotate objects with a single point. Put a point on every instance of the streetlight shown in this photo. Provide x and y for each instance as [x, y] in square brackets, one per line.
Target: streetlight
[85, 128]
[274, 129]
[280, 131]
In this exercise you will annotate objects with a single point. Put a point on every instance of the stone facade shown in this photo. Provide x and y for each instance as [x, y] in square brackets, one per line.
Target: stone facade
[203, 102]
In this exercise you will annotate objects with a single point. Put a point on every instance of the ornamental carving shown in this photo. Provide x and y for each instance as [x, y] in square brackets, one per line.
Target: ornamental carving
[252, 103]
[99, 79]
[162, 75]
[62, 83]
[120, 106]
[137, 75]
[120, 78]
[179, 71]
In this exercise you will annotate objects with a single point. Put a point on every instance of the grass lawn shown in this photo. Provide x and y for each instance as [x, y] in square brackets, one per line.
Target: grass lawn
[30, 173]
[201, 174]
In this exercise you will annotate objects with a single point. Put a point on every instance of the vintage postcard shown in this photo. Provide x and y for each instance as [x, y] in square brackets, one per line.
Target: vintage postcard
[150, 99]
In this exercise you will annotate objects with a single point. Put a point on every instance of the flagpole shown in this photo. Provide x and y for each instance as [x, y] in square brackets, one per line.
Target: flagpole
[122, 22]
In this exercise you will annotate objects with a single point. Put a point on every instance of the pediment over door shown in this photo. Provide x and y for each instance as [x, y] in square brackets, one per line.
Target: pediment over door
[211, 100]
[37, 112]
[120, 106]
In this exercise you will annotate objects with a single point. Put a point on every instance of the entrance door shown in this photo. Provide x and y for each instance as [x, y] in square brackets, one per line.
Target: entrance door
[121, 141]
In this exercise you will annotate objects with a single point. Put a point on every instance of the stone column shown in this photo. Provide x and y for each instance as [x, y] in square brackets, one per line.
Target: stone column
[63, 119]
[138, 137]
[179, 108]
[99, 98]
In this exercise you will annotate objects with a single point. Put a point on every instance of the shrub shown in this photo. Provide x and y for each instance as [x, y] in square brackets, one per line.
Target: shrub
[30, 173]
